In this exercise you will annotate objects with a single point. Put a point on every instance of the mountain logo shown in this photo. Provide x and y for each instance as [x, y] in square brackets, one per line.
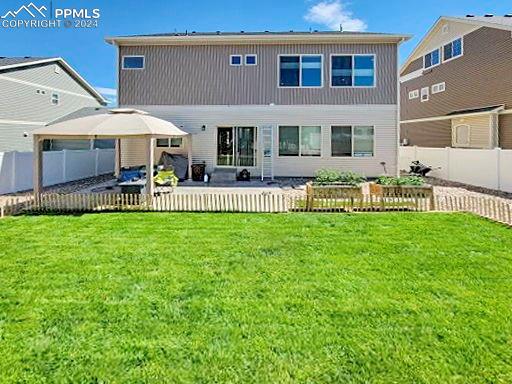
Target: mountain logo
[31, 9]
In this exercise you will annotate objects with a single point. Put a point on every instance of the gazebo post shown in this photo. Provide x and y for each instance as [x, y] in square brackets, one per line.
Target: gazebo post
[149, 166]
[37, 165]
[189, 150]
[117, 170]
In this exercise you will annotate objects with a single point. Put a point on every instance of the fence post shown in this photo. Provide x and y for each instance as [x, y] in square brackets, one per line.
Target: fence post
[13, 170]
[498, 168]
[448, 176]
[96, 162]
[64, 160]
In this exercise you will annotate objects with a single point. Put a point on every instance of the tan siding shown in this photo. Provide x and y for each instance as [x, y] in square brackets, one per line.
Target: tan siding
[481, 77]
[191, 119]
[414, 66]
[201, 75]
[435, 134]
[505, 123]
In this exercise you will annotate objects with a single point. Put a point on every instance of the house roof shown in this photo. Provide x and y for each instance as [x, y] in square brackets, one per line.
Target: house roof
[499, 22]
[244, 37]
[491, 108]
[8, 63]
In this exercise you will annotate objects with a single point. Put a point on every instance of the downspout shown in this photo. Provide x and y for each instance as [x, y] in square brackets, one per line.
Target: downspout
[398, 107]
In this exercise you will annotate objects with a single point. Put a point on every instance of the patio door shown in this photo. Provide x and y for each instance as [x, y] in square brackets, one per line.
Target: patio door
[236, 146]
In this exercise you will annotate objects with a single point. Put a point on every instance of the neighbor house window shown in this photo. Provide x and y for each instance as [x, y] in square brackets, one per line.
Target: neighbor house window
[414, 94]
[438, 88]
[300, 141]
[353, 70]
[452, 49]
[174, 142]
[251, 60]
[300, 71]
[55, 99]
[363, 141]
[348, 141]
[133, 62]
[235, 60]
[431, 59]
[425, 94]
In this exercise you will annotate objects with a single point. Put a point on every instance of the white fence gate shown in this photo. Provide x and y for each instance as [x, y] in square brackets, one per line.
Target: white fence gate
[58, 167]
[489, 168]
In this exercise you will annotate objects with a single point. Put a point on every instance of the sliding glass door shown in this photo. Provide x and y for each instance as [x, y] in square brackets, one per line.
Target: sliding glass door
[236, 146]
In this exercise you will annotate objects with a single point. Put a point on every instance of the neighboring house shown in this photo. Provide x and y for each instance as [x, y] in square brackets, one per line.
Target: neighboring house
[456, 87]
[35, 91]
[277, 104]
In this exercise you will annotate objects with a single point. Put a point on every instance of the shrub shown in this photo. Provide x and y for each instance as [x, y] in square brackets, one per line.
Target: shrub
[406, 180]
[332, 176]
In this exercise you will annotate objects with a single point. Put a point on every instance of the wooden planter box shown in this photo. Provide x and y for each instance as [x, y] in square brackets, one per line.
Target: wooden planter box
[424, 191]
[319, 194]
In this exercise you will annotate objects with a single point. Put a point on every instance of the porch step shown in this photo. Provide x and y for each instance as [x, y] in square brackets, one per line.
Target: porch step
[224, 175]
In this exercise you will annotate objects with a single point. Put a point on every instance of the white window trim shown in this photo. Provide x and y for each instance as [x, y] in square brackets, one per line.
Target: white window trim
[300, 141]
[133, 69]
[353, 70]
[353, 141]
[414, 94]
[427, 93]
[454, 138]
[255, 59]
[461, 49]
[436, 88]
[300, 70]
[438, 49]
[236, 65]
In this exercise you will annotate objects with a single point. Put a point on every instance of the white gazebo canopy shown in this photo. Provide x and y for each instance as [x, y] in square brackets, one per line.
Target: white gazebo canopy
[113, 124]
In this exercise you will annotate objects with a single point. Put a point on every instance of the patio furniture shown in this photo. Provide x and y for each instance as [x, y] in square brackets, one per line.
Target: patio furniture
[132, 186]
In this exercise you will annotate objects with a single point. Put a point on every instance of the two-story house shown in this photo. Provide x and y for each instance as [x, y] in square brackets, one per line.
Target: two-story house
[277, 104]
[35, 91]
[456, 86]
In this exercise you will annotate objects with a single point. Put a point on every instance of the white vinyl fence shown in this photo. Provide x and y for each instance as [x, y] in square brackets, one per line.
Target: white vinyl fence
[58, 167]
[489, 168]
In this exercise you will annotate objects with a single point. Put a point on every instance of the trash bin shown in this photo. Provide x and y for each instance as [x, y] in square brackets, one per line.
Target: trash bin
[198, 172]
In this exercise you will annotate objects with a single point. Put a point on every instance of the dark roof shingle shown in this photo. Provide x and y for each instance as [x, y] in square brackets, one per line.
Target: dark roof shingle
[4, 61]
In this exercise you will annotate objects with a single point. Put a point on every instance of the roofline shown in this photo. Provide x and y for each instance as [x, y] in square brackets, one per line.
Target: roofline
[498, 110]
[68, 67]
[471, 21]
[256, 39]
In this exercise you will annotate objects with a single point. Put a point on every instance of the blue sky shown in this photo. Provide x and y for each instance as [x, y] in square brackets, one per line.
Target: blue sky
[87, 52]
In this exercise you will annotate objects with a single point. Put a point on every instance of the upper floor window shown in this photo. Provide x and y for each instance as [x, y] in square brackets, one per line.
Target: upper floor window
[300, 71]
[133, 62]
[353, 70]
[425, 94]
[235, 60]
[452, 49]
[431, 59]
[414, 94]
[55, 99]
[250, 60]
[439, 87]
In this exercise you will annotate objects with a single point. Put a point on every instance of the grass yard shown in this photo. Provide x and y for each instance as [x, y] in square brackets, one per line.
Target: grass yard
[143, 297]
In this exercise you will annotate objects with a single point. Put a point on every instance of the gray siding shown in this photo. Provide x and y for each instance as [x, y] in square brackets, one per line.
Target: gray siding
[201, 75]
[20, 103]
[435, 134]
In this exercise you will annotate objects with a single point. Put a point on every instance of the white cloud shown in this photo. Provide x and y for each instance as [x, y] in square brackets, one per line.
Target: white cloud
[107, 91]
[334, 13]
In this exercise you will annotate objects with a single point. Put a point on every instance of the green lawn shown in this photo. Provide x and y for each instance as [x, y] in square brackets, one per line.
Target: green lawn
[248, 298]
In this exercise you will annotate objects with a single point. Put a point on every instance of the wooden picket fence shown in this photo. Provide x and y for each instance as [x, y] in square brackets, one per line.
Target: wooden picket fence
[495, 209]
